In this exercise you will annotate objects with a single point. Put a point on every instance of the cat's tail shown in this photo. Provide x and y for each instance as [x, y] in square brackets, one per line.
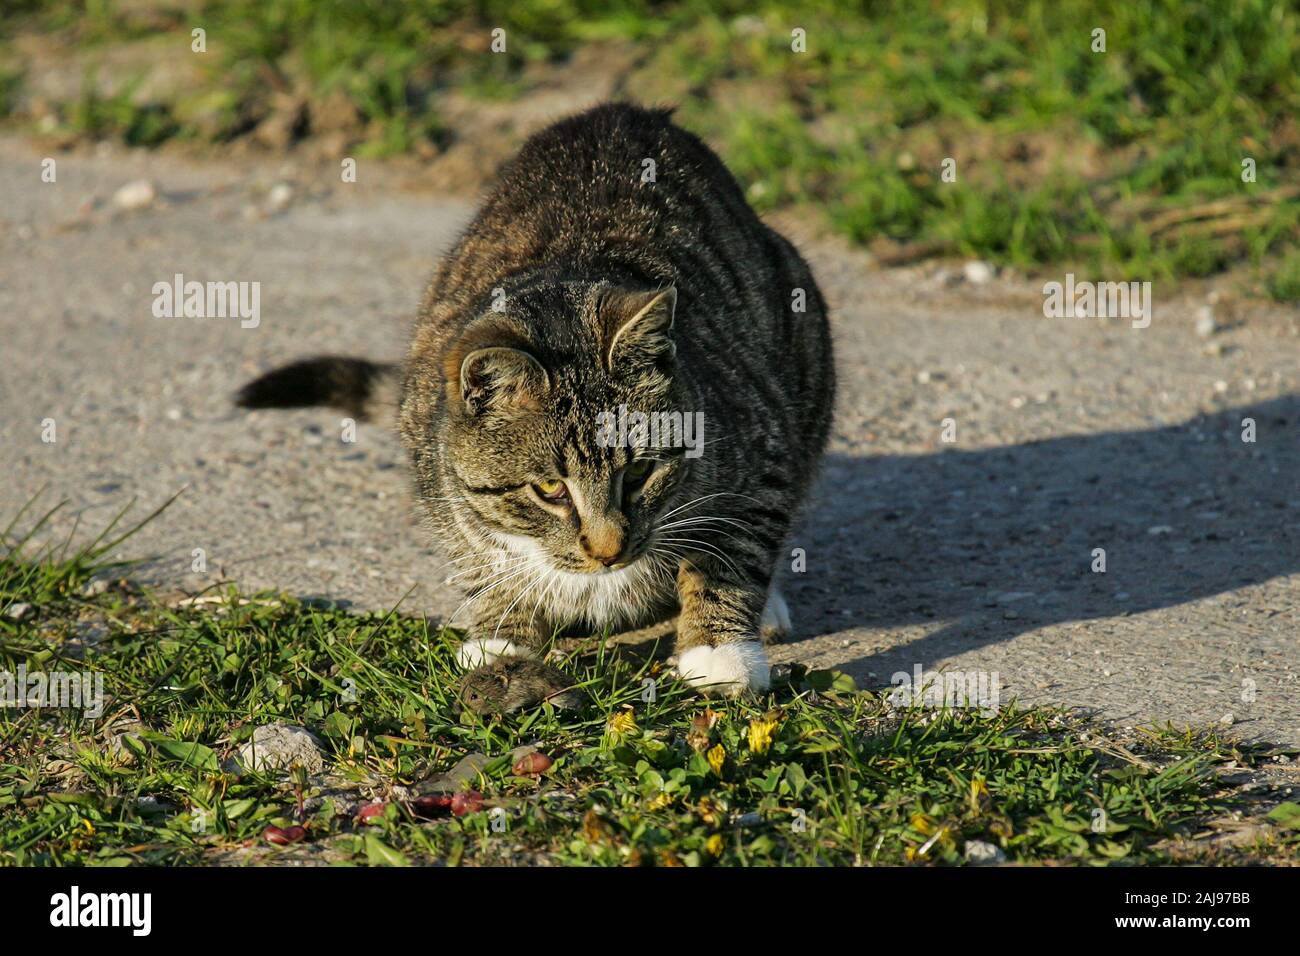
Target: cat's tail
[357, 386]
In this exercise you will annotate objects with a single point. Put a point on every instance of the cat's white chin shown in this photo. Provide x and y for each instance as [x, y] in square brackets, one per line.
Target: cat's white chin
[485, 650]
[727, 669]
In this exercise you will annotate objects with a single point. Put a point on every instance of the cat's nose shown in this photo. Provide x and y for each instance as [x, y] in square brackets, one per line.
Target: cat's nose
[604, 545]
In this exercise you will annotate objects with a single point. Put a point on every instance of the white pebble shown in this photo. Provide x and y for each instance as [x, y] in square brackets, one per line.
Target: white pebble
[135, 195]
[1205, 323]
[977, 272]
[279, 197]
[19, 611]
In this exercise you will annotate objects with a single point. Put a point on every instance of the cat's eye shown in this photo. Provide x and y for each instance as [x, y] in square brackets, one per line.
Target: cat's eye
[637, 471]
[552, 489]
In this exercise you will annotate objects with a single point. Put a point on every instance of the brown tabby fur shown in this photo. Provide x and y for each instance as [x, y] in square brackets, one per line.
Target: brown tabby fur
[584, 284]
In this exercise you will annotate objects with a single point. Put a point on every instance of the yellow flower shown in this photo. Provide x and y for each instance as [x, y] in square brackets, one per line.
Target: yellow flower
[760, 734]
[932, 828]
[659, 801]
[924, 823]
[714, 845]
[979, 795]
[716, 757]
[622, 723]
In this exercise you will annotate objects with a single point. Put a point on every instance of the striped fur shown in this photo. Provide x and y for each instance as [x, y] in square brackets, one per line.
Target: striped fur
[586, 284]
[529, 330]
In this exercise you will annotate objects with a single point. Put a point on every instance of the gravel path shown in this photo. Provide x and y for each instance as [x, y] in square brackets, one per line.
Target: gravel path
[1070, 435]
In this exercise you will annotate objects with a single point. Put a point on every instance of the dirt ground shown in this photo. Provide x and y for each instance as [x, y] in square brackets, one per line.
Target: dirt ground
[977, 554]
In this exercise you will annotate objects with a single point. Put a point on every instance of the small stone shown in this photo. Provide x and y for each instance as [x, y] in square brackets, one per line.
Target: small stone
[95, 588]
[1205, 323]
[278, 199]
[980, 853]
[19, 611]
[1220, 386]
[467, 769]
[977, 272]
[281, 746]
[135, 195]
[91, 632]
[118, 748]
[1227, 720]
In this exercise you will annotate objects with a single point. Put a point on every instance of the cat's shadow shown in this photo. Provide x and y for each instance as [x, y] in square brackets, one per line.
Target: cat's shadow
[988, 544]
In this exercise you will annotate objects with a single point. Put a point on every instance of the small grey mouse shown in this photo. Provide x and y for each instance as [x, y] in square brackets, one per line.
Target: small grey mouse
[514, 683]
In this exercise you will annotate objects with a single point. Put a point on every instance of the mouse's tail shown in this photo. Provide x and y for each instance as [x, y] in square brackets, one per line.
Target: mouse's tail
[357, 386]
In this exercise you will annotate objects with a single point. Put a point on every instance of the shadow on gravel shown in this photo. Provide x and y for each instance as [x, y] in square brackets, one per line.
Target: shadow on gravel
[997, 542]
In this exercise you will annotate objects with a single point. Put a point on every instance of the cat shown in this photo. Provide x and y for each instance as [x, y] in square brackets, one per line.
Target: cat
[614, 272]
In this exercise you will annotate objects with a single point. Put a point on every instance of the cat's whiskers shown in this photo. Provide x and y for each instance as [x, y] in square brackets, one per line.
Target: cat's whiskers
[499, 563]
[706, 527]
[492, 584]
[545, 595]
[703, 498]
[536, 579]
[706, 548]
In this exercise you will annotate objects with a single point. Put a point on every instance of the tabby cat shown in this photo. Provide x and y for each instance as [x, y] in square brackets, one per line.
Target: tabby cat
[614, 271]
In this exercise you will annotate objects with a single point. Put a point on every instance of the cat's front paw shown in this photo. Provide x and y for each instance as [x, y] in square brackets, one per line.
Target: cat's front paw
[728, 670]
[481, 651]
[509, 684]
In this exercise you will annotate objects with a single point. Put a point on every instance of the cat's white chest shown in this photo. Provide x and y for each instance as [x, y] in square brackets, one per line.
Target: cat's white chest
[613, 599]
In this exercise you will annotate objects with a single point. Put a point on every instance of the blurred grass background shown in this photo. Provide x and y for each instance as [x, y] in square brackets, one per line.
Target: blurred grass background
[1126, 162]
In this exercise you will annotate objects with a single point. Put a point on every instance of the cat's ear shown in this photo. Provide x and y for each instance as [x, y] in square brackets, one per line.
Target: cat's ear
[638, 326]
[501, 379]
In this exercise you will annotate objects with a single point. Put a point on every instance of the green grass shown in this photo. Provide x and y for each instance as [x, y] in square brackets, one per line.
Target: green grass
[1065, 156]
[1284, 282]
[818, 772]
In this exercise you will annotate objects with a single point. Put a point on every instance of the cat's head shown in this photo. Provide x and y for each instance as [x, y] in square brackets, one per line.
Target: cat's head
[543, 432]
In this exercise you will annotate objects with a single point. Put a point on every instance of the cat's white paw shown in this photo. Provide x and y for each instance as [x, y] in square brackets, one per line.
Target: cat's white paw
[478, 651]
[727, 669]
[775, 624]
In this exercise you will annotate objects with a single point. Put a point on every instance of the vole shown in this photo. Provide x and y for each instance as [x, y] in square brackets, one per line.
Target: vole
[514, 683]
